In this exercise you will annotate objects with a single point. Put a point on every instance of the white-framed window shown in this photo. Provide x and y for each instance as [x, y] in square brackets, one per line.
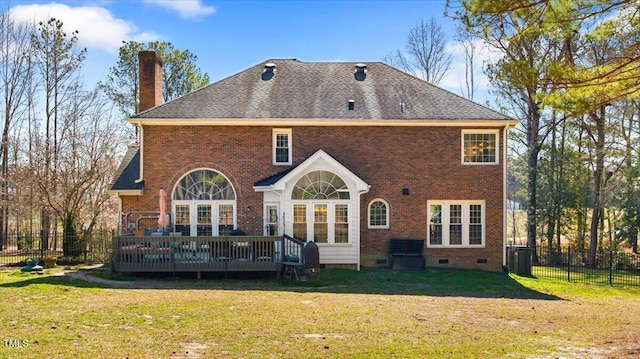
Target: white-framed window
[204, 204]
[378, 214]
[456, 224]
[480, 146]
[282, 151]
[320, 201]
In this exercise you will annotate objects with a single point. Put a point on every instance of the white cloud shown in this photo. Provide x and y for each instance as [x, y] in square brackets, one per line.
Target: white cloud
[97, 28]
[188, 9]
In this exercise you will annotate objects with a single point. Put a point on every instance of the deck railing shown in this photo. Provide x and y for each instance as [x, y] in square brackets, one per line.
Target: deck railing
[203, 254]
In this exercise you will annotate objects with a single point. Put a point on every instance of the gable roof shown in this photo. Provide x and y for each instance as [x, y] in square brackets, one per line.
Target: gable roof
[320, 160]
[321, 90]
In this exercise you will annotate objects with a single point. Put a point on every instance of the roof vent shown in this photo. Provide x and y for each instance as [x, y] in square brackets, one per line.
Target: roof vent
[360, 67]
[360, 72]
[351, 105]
[269, 71]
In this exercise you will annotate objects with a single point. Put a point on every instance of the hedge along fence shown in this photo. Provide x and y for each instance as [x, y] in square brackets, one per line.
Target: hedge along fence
[18, 247]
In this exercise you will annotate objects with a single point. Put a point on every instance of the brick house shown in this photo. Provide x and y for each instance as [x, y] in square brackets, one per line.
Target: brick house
[346, 154]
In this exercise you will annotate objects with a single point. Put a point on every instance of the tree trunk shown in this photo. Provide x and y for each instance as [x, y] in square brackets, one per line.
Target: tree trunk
[598, 206]
[533, 147]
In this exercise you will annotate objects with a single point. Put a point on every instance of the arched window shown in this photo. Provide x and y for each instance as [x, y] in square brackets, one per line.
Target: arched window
[321, 208]
[378, 214]
[320, 185]
[204, 184]
[204, 204]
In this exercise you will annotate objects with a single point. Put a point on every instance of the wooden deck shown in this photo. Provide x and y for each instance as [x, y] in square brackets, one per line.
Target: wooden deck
[203, 254]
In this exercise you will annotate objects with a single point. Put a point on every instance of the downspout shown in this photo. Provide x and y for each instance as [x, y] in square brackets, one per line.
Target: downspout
[359, 220]
[504, 196]
[119, 214]
[141, 141]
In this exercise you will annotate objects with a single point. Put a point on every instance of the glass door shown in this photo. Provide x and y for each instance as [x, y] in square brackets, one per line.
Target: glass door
[204, 227]
[183, 224]
[320, 223]
[271, 221]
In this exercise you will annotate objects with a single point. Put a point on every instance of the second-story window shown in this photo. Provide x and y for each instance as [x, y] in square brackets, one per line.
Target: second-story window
[480, 147]
[282, 146]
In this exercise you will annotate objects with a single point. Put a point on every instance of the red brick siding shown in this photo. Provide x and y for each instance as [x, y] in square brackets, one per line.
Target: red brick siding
[426, 160]
[150, 69]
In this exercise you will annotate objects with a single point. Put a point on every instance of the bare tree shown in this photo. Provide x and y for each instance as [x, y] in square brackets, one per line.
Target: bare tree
[469, 51]
[425, 54]
[58, 61]
[14, 69]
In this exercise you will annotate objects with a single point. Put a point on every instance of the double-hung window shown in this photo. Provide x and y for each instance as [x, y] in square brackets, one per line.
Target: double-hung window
[281, 146]
[456, 224]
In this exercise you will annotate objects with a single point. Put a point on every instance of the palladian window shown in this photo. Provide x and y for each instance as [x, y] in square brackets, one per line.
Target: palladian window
[204, 204]
[321, 208]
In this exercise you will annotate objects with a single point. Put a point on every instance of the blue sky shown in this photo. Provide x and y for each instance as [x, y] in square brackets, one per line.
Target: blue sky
[230, 36]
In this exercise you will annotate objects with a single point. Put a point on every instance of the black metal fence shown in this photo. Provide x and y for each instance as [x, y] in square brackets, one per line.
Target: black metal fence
[17, 248]
[615, 268]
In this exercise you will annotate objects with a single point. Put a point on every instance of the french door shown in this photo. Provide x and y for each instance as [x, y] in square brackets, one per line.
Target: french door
[204, 218]
[321, 221]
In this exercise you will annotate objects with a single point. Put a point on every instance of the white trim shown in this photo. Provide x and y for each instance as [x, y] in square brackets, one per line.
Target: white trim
[330, 253]
[215, 213]
[465, 223]
[193, 213]
[293, 122]
[126, 192]
[175, 185]
[494, 132]
[274, 135]
[141, 149]
[322, 161]
[265, 219]
[331, 219]
[369, 225]
[504, 197]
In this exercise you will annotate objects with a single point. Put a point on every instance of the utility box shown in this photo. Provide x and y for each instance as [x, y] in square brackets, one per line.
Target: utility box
[311, 256]
[521, 263]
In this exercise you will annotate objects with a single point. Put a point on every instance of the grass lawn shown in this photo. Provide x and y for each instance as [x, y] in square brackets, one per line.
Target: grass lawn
[340, 314]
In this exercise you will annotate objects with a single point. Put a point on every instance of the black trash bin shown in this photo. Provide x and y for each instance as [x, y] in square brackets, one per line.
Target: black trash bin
[311, 256]
[522, 261]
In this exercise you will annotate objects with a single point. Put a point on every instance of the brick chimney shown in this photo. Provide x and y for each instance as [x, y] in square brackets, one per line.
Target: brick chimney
[150, 71]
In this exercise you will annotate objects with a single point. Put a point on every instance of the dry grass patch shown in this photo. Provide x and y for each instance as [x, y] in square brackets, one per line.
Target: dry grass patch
[367, 314]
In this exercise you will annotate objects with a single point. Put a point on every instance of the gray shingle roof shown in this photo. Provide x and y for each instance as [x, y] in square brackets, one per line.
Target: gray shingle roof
[322, 90]
[129, 171]
[267, 181]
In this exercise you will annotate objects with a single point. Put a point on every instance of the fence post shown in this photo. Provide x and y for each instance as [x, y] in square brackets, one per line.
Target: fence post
[610, 267]
[569, 264]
